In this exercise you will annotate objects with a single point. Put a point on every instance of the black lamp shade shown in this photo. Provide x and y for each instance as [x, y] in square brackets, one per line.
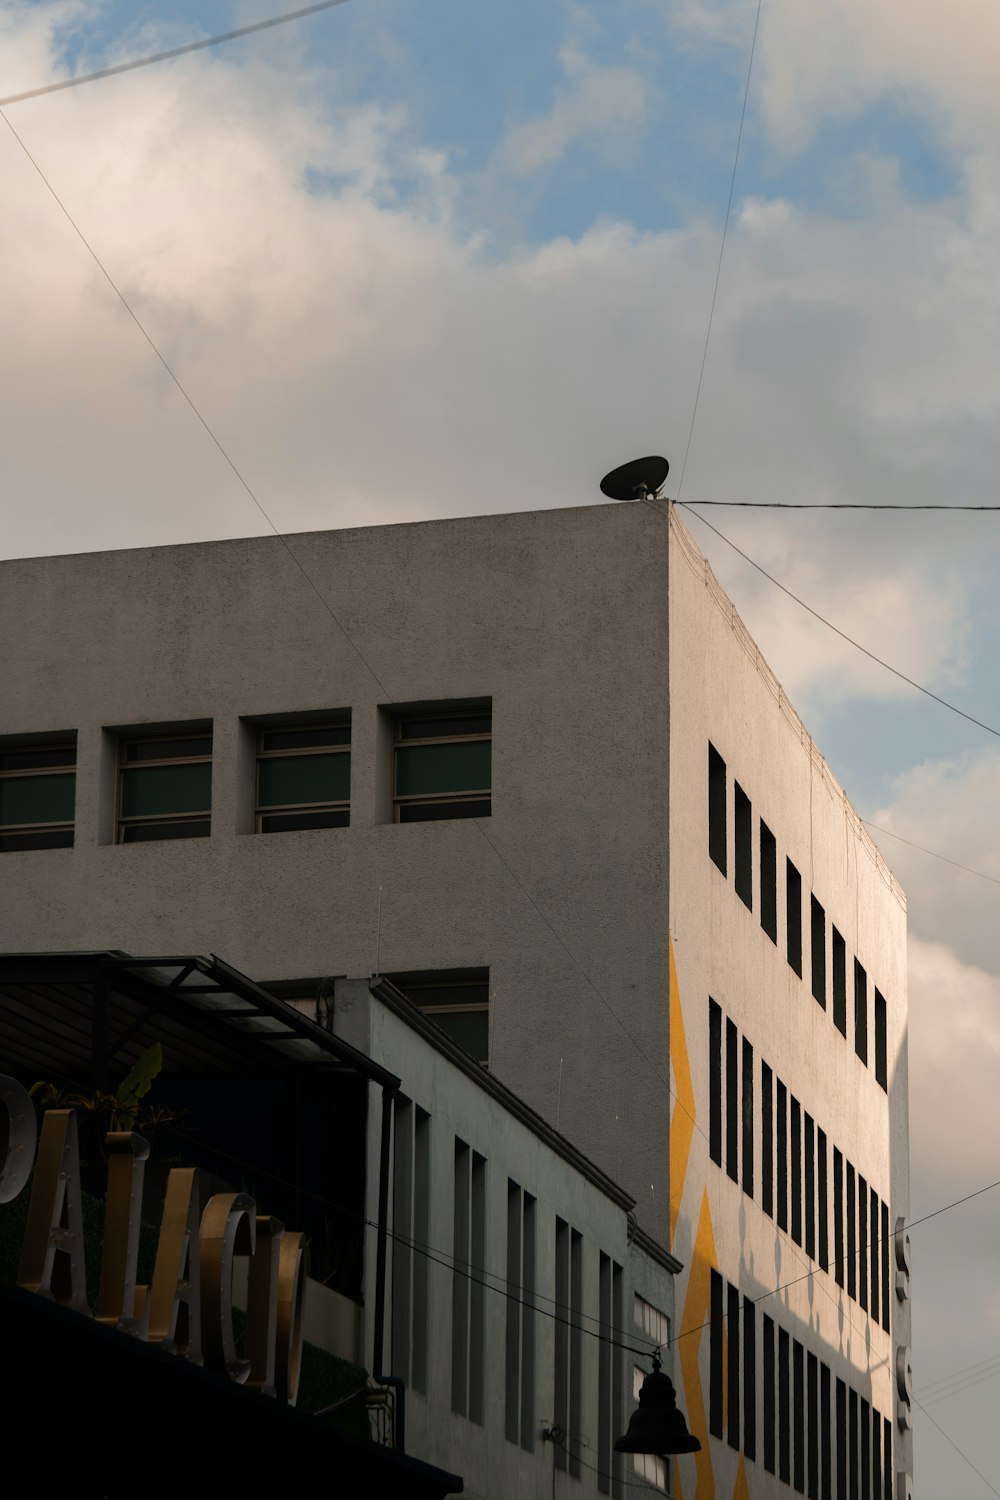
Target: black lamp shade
[656, 1426]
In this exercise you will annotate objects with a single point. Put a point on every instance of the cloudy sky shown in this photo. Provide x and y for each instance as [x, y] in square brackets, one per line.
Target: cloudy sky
[417, 258]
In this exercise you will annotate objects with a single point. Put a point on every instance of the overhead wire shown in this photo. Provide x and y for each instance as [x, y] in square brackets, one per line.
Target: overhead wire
[190, 401]
[958, 1450]
[831, 505]
[952, 707]
[169, 53]
[722, 250]
[877, 828]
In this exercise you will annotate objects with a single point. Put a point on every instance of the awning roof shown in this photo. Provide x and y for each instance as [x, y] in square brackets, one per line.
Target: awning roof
[88, 1017]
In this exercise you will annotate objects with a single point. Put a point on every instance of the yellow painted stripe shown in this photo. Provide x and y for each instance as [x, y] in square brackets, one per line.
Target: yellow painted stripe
[682, 1119]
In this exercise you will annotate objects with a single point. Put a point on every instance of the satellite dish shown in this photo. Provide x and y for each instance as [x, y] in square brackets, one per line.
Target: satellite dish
[636, 480]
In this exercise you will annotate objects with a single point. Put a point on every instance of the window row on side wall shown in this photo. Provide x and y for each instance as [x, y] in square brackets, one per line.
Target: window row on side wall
[824, 960]
[527, 1285]
[796, 1184]
[817, 1433]
[441, 769]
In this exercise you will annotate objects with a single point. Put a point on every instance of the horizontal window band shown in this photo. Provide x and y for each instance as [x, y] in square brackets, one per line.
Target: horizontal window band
[417, 797]
[173, 817]
[304, 750]
[297, 822]
[56, 825]
[437, 811]
[52, 838]
[333, 805]
[143, 832]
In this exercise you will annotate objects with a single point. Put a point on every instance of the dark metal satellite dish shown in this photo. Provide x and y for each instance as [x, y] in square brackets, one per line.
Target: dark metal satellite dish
[641, 479]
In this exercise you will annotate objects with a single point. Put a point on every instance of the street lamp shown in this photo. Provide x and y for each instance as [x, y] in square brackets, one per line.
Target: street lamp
[656, 1426]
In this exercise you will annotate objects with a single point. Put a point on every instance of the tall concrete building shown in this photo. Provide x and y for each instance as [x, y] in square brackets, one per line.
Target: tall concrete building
[532, 770]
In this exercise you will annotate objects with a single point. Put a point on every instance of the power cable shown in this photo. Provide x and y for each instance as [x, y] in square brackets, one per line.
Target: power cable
[722, 250]
[957, 1449]
[189, 399]
[876, 828]
[171, 52]
[830, 505]
[829, 624]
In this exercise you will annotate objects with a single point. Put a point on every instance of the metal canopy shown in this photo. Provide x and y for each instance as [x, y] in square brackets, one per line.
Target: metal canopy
[90, 1016]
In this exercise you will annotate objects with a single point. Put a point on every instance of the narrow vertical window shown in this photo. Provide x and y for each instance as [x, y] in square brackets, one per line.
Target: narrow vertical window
[862, 1242]
[812, 1426]
[852, 1235]
[796, 1171]
[838, 1216]
[810, 1186]
[793, 916]
[881, 1056]
[852, 1443]
[743, 845]
[839, 983]
[841, 1440]
[421, 1239]
[477, 1291]
[866, 1451]
[575, 1430]
[402, 1229]
[876, 1454]
[784, 1411]
[766, 1139]
[782, 1132]
[768, 1394]
[747, 1118]
[717, 808]
[715, 1082]
[817, 935]
[799, 1404]
[528, 1325]
[861, 1012]
[887, 1456]
[715, 1357]
[732, 1100]
[749, 1378]
[460, 1284]
[822, 1202]
[561, 1341]
[825, 1435]
[885, 1267]
[733, 1362]
[768, 882]
[512, 1386]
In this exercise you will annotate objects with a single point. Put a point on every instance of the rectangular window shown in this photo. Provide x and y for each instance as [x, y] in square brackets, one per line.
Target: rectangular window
[716, 1324]
[862, 1242]
[852, 1443]
[822, 1202]
[881, 1056]
[747, 1118]
[887, 1457]
[799, 1401]
[749, 1378]
[402, 1229]
[839, 983]
[768, 1394]
[866, 1451]
[817, 928]
[468, 1304]
[165, 787]
[717, 808]
[825, 1435]
[782, 1133]
[812, 1426]
[732, 1100]
[37, 795]
[648, 1466]
[743, 851]
[861, 1012]
[442, 765]
[766, 1139]
[885, 1267]
[421, 1237]
[653, 1325]
[733, 1363]
[784, 1411]
[841, 1440]
[838, 1216]
[873, 1221]
[768, 883]
[303, 777]
[575, 1430]
[569, 1303]
[512, 1383]
[852, 1236]
[715, 1082]
[796, 1171]
[810, 1185]
[457, 1001]
[793, 916]
[876, 1454]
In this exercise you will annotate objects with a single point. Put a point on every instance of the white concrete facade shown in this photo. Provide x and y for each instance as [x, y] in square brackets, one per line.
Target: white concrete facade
[612, 660]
